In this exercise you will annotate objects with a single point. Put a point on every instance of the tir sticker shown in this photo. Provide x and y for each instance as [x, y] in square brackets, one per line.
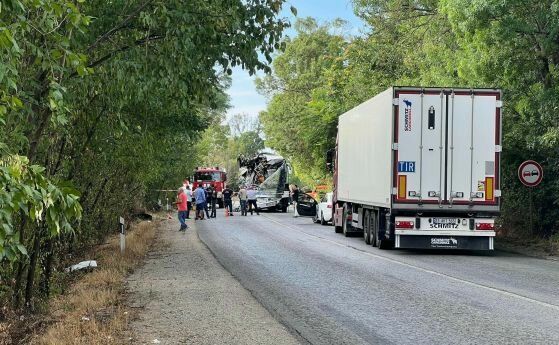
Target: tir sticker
[407, 116]
[404, 166]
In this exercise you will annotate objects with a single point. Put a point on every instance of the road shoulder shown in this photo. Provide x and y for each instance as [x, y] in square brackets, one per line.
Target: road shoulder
[183, 296]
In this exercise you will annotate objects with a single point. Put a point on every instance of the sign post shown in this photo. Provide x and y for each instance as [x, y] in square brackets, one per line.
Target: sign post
[530, 174]
[122, 235]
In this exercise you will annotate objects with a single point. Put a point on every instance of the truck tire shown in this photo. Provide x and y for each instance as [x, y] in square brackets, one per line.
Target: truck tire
[338, 229]
[367, 227]
[322, 221]
[345, 226]
[382, 242]
[374, 228]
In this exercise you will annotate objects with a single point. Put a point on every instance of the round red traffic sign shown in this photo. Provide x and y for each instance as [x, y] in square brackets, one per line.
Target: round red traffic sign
[530, 173]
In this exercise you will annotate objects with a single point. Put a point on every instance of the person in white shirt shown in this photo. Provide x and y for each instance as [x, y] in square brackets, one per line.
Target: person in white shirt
[189, 201]
[251, 196]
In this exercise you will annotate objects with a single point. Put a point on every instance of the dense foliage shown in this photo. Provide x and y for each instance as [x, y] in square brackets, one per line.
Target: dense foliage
[108, 97]
[512, 45]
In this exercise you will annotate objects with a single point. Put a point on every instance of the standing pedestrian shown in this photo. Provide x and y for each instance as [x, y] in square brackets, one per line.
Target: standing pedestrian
[228, 200]
[200, 196]
[214, 200]
[208, 200]
[294, 198]
[251, 197]
[182, 206]
[189, 199]
[243, 198]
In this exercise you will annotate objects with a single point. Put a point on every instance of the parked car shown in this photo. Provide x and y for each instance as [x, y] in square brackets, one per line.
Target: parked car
[324, 209]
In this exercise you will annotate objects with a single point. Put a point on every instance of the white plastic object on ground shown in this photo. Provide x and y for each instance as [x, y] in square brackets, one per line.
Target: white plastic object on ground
[82, 265]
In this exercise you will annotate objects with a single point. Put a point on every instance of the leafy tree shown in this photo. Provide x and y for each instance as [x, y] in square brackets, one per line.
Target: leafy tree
[510, 45]
[299, 122]
[109, 97]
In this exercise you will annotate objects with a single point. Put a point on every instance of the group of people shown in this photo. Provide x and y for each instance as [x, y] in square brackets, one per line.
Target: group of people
[206, 199]
[247, 200]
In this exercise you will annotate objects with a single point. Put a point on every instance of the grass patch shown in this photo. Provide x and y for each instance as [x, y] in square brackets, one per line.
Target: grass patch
[92, 309]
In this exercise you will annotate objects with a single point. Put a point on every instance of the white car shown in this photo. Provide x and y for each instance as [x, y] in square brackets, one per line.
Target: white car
[324, 209]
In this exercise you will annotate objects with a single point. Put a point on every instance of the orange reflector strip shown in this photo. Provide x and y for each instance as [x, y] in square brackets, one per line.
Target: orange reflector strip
[489, 188]
[402, 186]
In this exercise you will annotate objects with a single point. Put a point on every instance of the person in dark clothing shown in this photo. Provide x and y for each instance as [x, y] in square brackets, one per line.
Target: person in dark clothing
[294, 198]
[188, 193]
[208, 201]
[214, 200]
[227, 200]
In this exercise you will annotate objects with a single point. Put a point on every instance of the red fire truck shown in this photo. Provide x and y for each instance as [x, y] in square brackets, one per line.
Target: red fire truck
[214, 177]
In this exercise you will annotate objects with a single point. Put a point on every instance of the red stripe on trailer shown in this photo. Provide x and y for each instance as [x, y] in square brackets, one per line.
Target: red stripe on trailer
[396, 115]
[497, 154]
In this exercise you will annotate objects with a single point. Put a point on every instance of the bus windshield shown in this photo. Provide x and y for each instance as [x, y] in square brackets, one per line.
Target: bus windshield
[207, 176]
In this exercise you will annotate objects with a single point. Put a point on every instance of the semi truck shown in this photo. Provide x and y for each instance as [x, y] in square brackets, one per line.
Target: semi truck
[420, 168]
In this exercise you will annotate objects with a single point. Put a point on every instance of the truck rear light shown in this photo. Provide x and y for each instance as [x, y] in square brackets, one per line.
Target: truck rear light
[489, 188]
[412, 194]
[402, 186]
[404, 224]
[477, 195]
[433, 194]
[485, 226]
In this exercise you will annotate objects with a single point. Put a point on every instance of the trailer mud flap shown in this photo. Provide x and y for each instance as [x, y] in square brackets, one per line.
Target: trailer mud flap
[444, 242]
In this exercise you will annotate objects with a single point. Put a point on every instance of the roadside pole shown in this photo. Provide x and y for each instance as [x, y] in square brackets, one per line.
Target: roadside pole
[530, 173]
[531, 210]
[122, 235]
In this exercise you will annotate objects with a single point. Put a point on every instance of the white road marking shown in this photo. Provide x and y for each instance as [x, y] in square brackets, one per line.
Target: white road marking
[467, 282]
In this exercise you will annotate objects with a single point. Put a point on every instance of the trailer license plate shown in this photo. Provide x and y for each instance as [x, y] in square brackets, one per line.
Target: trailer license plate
[444, 223]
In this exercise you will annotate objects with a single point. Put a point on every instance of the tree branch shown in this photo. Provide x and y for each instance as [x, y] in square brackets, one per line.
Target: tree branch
[111, 54]
[120, 26]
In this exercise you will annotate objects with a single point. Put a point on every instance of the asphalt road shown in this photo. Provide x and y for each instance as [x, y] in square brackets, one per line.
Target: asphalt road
[328, 289]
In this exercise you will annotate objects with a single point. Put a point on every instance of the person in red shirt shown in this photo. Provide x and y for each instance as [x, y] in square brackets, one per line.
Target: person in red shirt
[182, 206]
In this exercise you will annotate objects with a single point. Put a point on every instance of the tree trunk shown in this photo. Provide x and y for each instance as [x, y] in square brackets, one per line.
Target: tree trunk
[32, 266]
[20, 265]
[45, 283]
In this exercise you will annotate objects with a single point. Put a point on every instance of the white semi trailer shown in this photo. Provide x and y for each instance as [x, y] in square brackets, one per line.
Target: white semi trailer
[419, 168]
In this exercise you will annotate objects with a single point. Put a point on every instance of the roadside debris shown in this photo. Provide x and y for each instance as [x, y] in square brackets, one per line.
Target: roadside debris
[82, 265]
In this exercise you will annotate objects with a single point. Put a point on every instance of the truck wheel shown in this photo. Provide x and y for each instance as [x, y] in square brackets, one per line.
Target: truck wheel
[338, 229]
[374, 229]
[345, 221]
[382, 242]
[284, 209]
[367, 227]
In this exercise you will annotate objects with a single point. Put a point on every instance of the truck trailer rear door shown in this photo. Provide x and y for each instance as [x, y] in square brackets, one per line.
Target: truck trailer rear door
[420, 153]
[446, 147]
[474, 147]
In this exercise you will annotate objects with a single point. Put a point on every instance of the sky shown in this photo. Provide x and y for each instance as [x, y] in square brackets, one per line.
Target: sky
[244, 98]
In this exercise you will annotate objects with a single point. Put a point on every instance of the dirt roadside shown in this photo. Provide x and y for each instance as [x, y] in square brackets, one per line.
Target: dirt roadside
[184, 296]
